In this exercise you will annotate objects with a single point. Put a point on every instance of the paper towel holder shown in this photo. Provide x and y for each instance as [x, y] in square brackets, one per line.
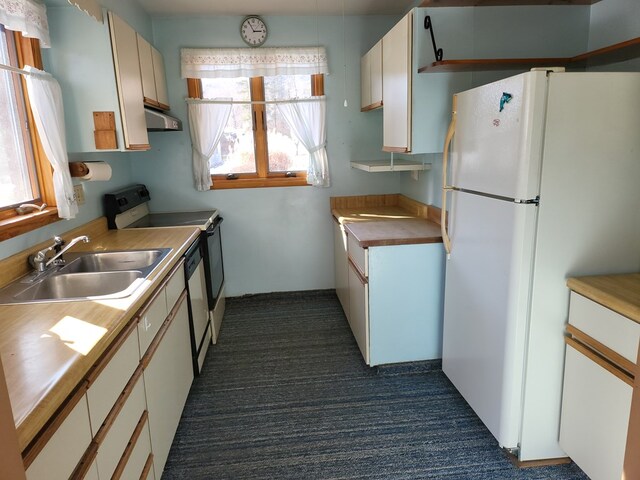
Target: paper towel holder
[78, 169]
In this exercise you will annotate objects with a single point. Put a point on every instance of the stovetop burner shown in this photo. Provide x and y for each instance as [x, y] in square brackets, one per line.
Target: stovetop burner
[128, 208]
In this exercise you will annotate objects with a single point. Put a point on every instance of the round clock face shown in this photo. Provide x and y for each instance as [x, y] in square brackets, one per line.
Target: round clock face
[253, 31]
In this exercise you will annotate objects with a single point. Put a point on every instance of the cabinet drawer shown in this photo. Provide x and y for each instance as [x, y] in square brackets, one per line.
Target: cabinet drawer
[359, 311]
[358, 255]
[174, 288]
[606, 326]
[65, 448]
[114, 443]
[151, 321]
[147, 472]
[105, 390]
[595, 417]
[133, 461]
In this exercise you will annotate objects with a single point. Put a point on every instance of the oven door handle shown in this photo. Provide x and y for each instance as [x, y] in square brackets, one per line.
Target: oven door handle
[215, 224]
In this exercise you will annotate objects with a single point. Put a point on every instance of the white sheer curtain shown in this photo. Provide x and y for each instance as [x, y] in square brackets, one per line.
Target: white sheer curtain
[308, 122]
[45, 98]
[26, 16]
[206, 124]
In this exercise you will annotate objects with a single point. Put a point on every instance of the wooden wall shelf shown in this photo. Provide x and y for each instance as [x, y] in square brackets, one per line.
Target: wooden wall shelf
[502, 3]
[618, 52]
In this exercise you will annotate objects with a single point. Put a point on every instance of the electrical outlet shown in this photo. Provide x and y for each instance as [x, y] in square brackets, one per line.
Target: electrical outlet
[78, 194]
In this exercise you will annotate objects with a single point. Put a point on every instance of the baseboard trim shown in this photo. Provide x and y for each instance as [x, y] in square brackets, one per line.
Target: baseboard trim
[545, 462]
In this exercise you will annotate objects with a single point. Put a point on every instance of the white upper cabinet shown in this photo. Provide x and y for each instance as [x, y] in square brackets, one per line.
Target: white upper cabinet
[160, 79]
[146, 70]
[396, 86]
[417, 107]
[124, 42]
[371, 78]
[154, 84]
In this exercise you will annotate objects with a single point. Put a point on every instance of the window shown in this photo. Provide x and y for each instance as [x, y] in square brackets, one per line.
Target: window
[25, 174]
[258, 148]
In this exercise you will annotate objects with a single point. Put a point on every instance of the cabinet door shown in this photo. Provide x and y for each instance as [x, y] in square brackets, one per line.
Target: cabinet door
[341, 266]
[160, 79]
[167, 380]
[595, 416]
[365, 81]
[359, 310]
[396, 86]
[127, 65]
[146, 70]
[65, 448]
[375, 68]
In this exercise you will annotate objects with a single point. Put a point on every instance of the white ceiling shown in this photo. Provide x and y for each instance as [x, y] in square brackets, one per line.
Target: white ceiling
[276, 7]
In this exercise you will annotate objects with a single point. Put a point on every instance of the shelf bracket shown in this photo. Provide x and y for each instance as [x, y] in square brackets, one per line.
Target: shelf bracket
[429, 26]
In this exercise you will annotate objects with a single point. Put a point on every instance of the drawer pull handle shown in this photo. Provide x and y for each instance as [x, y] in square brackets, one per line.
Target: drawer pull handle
[147, 324]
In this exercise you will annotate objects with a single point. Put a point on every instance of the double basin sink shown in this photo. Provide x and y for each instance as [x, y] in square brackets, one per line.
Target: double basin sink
[87, 276]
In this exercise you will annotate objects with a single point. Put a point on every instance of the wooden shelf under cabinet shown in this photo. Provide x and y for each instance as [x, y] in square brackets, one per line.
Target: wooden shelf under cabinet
[618, 52]
[387, 166]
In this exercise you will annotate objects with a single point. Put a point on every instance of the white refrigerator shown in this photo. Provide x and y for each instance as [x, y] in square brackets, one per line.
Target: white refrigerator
[544, 184]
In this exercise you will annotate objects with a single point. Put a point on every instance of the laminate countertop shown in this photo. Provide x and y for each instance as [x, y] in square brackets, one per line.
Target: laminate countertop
[48, 348]
[383, 220]
[620, 293]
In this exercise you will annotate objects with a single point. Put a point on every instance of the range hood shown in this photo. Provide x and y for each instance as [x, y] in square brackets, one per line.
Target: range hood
[161, 122]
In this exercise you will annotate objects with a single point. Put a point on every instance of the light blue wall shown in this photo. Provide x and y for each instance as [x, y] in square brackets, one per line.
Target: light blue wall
[614, 21]
[502, 32]
[274, 239]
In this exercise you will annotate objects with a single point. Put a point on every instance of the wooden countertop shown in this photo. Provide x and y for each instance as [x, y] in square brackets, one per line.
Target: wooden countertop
[620, 293]
[394, 232]
[382, 220]
[48, 348]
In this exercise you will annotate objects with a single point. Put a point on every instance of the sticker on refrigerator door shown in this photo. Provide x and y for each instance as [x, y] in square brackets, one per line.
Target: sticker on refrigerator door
[506, 98]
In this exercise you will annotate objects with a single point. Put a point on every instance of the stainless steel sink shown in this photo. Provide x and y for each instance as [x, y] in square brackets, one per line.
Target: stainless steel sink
[113, 261]
[82, 285]
[87, 276]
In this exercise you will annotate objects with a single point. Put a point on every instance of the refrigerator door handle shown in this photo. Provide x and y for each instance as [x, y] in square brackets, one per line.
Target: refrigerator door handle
[446, 240]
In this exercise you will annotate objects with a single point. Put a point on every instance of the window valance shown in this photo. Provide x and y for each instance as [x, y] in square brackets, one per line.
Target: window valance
[252, 62]
[26, 16]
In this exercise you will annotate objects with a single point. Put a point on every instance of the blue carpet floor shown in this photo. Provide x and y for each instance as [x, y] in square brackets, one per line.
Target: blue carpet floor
[285, 394]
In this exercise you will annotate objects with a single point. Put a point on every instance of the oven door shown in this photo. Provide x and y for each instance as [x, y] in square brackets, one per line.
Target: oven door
[214, 273]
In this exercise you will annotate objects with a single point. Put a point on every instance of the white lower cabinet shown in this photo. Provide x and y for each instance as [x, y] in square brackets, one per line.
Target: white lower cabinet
[394, 300]
[341, 265]
[595, 417]
[105, 390]
[167, 379]
[359, 310]
[602, 347]
[116, 439]
[60, 456]
[140, 449]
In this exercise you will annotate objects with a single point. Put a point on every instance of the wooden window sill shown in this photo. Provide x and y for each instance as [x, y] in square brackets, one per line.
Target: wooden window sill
[19, 224]
[222, 183]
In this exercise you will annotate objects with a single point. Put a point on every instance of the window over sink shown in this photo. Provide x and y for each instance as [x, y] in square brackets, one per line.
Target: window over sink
[25, 173]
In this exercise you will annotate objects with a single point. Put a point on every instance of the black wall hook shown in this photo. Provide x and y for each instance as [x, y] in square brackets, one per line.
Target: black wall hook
[429, 26]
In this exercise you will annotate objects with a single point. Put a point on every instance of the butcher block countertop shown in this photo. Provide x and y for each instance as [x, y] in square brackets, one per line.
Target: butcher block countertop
[48, 348]
[382, 220]
[620, 293]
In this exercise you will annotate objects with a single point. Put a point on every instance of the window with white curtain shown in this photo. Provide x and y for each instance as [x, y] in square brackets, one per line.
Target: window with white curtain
[260, 145]
[258, 135]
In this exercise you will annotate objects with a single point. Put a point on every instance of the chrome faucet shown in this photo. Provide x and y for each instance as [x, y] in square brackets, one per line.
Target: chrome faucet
[39, 260]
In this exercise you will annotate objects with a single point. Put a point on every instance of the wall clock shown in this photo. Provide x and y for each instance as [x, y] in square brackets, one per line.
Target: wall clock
[253, 31]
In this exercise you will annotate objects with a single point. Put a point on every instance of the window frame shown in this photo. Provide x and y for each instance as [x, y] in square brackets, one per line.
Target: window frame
[262, 177]
[12, 224]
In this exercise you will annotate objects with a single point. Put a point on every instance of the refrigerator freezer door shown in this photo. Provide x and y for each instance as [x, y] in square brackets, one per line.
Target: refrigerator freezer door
[499, 152]
[486, 307]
